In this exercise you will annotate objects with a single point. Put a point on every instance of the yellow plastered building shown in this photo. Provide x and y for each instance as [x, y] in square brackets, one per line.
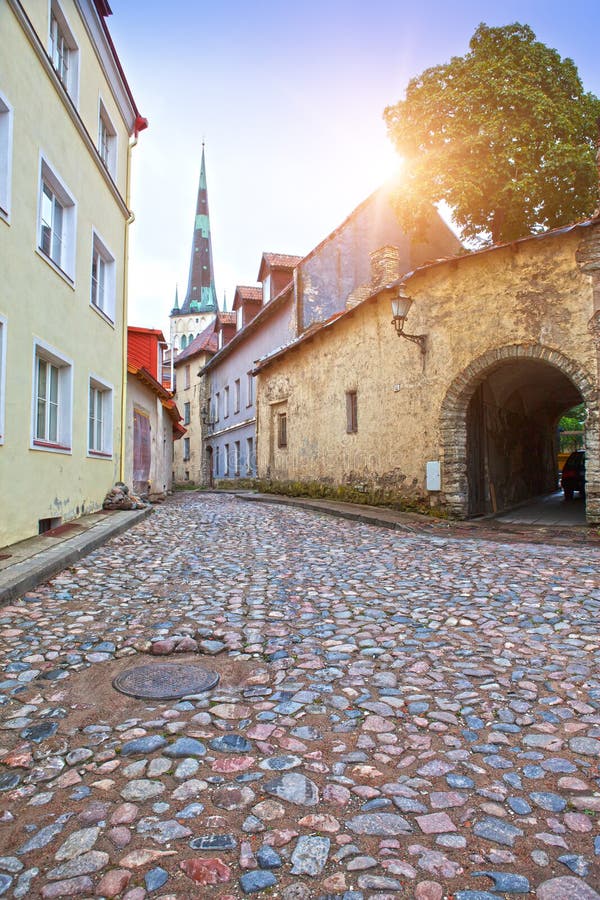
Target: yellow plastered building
[68, 122]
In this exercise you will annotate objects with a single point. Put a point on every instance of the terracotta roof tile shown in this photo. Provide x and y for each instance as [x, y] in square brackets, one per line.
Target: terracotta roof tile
[227, 318]
[282, 260]
[247, 292]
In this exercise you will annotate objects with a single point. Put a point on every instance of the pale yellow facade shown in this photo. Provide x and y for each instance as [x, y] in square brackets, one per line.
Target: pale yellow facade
[53, 467]
[519, 324]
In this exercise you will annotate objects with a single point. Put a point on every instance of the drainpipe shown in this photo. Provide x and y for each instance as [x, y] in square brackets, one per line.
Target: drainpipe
[129, 222]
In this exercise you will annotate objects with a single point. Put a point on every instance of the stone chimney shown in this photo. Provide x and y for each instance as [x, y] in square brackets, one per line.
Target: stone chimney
[385, 266]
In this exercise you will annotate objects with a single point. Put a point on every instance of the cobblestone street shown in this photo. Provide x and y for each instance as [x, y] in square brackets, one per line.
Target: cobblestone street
[399, 715]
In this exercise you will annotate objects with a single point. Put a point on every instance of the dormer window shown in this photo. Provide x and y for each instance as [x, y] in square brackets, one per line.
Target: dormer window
[266, 289]
[220, 340]
[239, 318]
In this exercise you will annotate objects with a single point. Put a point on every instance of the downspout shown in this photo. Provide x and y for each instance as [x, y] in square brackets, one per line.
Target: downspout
[139, 125]
[130, 220]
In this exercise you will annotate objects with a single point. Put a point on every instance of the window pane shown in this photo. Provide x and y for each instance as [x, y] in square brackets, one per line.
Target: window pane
[53, 384]
[40, 425]
[57, 232]
[53, 422]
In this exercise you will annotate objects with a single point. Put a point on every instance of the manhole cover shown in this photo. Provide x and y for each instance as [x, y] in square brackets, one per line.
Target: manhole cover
[164, 681]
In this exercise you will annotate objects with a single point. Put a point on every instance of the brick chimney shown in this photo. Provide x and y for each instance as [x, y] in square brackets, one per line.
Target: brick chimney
[385, 266]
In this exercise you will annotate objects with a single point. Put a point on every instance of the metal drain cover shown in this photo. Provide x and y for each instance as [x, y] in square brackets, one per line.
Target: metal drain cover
[164, 681]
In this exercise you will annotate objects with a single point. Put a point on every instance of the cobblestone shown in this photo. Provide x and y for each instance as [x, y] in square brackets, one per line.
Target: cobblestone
[397, 713]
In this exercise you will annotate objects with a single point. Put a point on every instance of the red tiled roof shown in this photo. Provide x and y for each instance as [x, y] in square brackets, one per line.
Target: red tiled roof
[247, 292]
[205, 342]
[281, 260]
[227, 318]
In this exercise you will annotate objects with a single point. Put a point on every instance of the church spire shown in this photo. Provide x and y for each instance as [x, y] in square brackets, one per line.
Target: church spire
[201, 295]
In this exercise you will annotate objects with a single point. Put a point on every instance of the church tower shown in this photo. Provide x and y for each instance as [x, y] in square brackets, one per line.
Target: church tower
[200, 305]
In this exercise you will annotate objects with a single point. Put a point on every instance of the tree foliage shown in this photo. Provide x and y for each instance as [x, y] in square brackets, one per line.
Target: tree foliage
[506, 135]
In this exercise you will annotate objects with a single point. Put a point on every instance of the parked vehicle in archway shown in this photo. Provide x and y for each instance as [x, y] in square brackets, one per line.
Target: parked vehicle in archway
[573, 475]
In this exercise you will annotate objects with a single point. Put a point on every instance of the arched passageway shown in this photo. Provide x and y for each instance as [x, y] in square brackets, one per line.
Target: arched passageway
[499, 430]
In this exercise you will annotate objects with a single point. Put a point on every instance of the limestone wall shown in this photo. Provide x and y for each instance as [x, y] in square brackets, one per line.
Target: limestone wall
[531, 300]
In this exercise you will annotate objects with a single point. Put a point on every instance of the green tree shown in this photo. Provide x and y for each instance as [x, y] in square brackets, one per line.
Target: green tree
[506, 135]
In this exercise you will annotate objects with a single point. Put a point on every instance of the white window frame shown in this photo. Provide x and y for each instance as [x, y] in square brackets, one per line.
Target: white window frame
[3, 343]
[6, 150]
[107, 140]
[266, 290]
[237, 457]
[103, 284]
[226, 460]
[106, 393]
[226, 402]
[239, 318]
[216, 462]
[58, 23]
[216, 408]
[237, 395]
[249, 454]
[64, 442]
[249, 389]
[65, 264]
[220, 339]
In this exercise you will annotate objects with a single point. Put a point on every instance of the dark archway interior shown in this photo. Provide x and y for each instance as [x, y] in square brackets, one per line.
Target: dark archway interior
[511, 433]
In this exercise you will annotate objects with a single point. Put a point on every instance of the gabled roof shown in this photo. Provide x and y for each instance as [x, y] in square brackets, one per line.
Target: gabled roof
[205, 342]
[278, 261]
[248, 293]
[226, 318]
[317, 328]
[258, 320]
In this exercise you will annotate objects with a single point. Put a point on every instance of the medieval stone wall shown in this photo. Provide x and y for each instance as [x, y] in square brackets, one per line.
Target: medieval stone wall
[532, 300]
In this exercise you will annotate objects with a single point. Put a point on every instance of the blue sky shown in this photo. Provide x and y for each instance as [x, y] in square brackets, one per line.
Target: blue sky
[289, 98]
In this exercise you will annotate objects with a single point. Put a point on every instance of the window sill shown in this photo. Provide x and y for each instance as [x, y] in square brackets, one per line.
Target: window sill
[99, 454]
[104, 316]
[50, 262]
[52, 448]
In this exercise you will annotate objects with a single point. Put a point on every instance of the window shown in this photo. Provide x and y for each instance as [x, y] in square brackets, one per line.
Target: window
[239, 318]
[187, 377]
[6, 122]
[220, 340]
[3, 327]
[183, 341]
[186, 449]
[226, 402]
[282, 430]
[103, 278]
[217, 454]
[249, 456]
[56, 221]
[351, 412]
[100, 414]
[249, 389]
[186, 413]
[51, 400]
[236, 395]
[226, 460]
[107, 140]
[236, 457]
[216, 408]
[266, 289]
[63, 51]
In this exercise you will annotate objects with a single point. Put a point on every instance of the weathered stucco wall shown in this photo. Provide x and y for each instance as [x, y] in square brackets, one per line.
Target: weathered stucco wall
[140, 397]
[530, 301]
[341, 264]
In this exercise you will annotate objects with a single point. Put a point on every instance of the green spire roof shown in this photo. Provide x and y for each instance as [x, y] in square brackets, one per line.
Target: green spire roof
[201, 295]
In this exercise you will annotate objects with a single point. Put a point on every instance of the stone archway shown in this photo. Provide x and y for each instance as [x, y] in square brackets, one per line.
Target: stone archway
[453, 418]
